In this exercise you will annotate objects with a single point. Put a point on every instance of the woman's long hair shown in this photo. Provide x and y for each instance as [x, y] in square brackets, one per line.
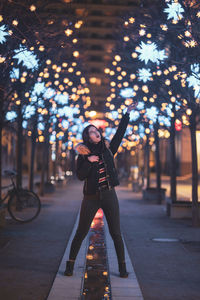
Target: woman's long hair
[94, 148]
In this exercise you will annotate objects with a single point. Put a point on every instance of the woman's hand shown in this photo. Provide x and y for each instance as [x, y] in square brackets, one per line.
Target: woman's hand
[93, 158]
[132, 106]
[82, 149]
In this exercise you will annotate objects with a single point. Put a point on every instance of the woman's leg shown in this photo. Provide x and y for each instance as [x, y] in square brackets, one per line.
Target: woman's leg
[89, 207]
[110, 207]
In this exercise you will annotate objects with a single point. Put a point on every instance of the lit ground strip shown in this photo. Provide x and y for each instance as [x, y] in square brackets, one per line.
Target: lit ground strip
[96, 279]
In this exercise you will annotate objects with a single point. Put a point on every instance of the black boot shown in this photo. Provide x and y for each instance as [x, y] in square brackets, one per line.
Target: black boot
[122, 270]
[69, 268]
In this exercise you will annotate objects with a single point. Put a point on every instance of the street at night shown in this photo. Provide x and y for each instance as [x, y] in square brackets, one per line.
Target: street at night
[100, 149]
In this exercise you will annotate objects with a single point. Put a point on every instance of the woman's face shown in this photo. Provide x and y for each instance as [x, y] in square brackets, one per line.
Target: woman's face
[94, 135]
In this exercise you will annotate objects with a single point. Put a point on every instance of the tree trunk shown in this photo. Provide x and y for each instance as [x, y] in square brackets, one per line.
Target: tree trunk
[1, 157]
[44, 158]
[1, 128]
[173, 194]
[19, 147]
[33, 148]
[73, 163]
[55, 163]
[43, 170]
[195, 209]
[158, 167]
[147, 162]
[47, 160]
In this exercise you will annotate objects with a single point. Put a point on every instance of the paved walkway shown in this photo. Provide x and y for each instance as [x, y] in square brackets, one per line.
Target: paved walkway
[32, 256]
[70, 287]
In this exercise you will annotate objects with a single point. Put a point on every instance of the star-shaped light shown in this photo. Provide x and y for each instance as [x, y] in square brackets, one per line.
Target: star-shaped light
[27, 58]
[144, 74]
[3, 34]
[126, 93]
[194, 79]
[174, 11]
[149, 52]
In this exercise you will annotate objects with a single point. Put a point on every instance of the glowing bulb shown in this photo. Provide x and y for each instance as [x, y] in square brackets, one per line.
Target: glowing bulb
[117, 58]
[147, 130]
[142, 32]
[187, 33]
[106, 70]
[68, 32]
[41, 138]
[2, 59]
[189, 112]
[32, 7]
[41, 48]
[134, 55]
[126, 38]
[75, 53]
[15, 22]
[132, 76]
[131, 20]
[64, 64]
[164, 27]
[125, 84]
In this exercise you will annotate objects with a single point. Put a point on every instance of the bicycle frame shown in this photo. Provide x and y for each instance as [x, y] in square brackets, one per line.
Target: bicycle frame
[3, 199]
[22, 205]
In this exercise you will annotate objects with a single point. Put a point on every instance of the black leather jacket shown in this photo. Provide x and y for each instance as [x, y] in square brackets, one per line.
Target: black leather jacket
[87, 171]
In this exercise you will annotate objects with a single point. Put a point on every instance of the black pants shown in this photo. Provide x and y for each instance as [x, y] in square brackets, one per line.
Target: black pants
[107, 200]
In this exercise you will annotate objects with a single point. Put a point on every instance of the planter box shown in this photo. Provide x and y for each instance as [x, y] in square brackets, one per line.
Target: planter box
[2, 217]
[48, 187]
[180, 209]
[151, 194]
[59, 182]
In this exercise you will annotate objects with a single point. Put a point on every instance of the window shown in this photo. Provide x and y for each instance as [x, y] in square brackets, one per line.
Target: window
[95, 58]
[95, 70]
[96, 24]
[96, 13]
[96, 47]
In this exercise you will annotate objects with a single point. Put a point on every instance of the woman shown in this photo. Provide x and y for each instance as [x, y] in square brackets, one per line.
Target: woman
[95, 165]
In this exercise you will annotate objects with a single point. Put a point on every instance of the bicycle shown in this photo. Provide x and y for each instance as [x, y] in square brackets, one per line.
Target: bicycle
[23, 205]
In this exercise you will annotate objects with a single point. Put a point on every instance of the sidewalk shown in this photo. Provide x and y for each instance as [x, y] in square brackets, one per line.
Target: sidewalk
[165, 270]
[35, 254]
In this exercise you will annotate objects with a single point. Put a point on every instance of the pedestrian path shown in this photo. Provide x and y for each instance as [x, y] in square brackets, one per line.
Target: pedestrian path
[71, 287]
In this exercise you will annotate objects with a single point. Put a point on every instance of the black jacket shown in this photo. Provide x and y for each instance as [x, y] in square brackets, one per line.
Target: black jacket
[87, 171]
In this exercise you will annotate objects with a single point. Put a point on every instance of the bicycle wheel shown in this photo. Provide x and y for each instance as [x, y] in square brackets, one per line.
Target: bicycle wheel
[24, 206]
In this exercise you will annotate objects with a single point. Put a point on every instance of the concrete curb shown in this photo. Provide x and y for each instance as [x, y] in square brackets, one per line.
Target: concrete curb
[65, 287]
[121, 288]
